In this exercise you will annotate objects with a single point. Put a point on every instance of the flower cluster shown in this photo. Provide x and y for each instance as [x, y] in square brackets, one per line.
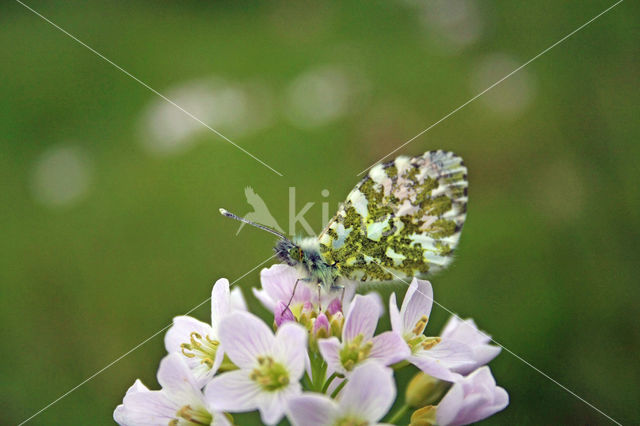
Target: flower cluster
[323, 365]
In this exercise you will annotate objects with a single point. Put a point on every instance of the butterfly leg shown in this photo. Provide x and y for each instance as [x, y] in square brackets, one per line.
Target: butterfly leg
[293, 293]
[295, 286]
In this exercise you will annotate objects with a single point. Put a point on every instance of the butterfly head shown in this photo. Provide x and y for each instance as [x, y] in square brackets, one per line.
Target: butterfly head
[301, 252]
[288, 252]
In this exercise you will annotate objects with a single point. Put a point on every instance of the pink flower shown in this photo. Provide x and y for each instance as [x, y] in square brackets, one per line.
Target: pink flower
[321, 325]
[197, 341]
[467, 332]
[471, 399]
[358, 343]
[180, 400]
[283, 314]
[278, 282]
[439, 357]
[365, 398]
[269, 367]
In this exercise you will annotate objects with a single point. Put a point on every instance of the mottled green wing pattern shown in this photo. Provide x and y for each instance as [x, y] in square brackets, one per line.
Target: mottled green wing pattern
[402, 220]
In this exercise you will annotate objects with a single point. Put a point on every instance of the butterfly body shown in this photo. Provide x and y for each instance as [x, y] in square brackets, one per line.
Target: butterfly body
[305, 254]
[402, 220]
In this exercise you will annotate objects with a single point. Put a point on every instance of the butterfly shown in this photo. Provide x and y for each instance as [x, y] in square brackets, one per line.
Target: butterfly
[402, 220]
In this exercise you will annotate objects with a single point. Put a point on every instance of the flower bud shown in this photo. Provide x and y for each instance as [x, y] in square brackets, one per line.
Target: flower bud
[283, 314]
[321, 326]
[425, 416]
[336, 323]
[334, 306]
[306, 315]
[423, 390]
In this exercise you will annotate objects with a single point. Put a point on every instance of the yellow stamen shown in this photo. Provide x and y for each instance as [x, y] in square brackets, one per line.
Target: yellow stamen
[420, 325]
[430, 342]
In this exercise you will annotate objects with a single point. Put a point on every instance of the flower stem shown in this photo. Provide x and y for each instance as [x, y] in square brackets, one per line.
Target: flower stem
[329, 380]
[318, 372]
[339, 388]
[398, 415]
[399, 365]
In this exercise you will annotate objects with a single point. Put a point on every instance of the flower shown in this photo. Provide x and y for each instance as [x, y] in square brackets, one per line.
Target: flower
[467, 332]
[439, 357]
[321, 326]
[270, 367]
[358, 343]
[197, 341]
[282, 314]
[278, 283]
[238, 364]
[179, 402]
[423, 390]
[365, 398]
[471, 399]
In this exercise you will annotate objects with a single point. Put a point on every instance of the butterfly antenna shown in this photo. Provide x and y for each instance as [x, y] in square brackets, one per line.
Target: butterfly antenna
[227, 213]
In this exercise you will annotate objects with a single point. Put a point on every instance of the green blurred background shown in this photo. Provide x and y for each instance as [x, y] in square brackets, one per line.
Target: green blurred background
[110, 196]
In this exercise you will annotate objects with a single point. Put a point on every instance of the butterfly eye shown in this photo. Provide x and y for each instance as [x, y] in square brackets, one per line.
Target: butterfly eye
[296, 253]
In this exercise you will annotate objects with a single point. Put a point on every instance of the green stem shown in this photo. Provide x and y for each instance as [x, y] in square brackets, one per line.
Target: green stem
[318, 372]
[399, 365]
[339, 388]
[398, 415]
[307, 382]
[329, 380]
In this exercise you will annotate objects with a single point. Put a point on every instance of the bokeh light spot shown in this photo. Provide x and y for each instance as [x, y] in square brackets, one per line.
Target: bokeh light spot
[61, 176]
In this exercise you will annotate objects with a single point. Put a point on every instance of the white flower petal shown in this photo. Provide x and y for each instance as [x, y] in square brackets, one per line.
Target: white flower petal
[180, 332]
[471, 399]
[136, 387]
[454, 355]
[233, 391]
[150, 406]
[394, 315]
[417, 303]
[464, 331]
[176, 378]
[434, 367]
[220, 305]
[330, 350]
[335, 384]
[219, 419]
[237, 301]
[278, 282]
[265, 299]
[483, 354]
[244, 337]
[291, 344]
[146, 408]
[312, 409]
[272, 405]
[369, 393]
[450, 405]
[362, 317]
[468, 333]
[389, 348]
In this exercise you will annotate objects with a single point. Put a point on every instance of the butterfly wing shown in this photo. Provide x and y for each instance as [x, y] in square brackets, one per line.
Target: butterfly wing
[402, 220]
